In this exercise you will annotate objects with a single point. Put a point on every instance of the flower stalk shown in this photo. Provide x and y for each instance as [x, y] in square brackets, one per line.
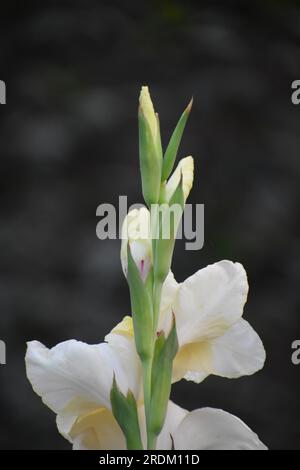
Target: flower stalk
[146, 302]
[113, 394]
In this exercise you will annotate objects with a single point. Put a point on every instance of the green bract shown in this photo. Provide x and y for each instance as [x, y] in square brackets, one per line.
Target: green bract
[172, 149]
[125, 411]
[164, 354]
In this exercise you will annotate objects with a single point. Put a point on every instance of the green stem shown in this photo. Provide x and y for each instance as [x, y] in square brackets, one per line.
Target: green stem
[147, 370]
[151, 441]
[147, 363]
[156, 303]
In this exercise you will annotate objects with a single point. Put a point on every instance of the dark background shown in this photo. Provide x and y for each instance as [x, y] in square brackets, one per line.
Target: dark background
[68, 142]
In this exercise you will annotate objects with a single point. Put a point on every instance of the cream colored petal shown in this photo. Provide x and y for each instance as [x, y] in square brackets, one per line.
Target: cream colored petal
[148, 110]
[66, 418]
[210, 301]
[193, 362]
[97, 431]
[237, 352]
[79, 376]
[211, 429]
[169, 293]
[125, 327]
[185, 168]
[129, 363]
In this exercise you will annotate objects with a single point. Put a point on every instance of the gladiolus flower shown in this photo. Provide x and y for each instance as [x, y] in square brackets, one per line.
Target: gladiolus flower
[74, 380]
[213, 337]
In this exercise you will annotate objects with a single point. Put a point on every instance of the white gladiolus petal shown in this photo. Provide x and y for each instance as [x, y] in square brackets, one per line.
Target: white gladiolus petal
[211, 429]
[210, 301]
[213, 338]
[237, 352]
[69, 370]
[98, 431]
[169, 292]
[74, 379]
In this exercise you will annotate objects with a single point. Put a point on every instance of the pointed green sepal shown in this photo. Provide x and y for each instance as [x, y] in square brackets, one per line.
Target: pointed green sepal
[141, 305]
[124, 409]
[164, 354]
[172, 149]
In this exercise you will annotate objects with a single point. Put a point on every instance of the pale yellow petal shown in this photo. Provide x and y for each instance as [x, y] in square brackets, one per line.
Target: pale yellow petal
[125, 327]
[97, 430]
[148, 110]
[185, 168]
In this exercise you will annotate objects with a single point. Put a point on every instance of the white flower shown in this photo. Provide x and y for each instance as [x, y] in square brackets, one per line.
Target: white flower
[74, 380]
[213, 337]
[136, 231]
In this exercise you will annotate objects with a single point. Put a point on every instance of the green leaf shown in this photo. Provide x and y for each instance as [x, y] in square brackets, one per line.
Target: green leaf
[141, 305]
[150, 161]
[124, 409]
[172, 149]
[164, 354]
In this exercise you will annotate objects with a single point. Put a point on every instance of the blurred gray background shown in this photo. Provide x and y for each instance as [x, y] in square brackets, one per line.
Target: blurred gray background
[68, 139]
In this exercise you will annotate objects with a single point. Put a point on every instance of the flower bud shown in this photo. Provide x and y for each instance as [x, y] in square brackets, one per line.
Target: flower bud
[184, 170]
[148, 111]
[136, 231]
[150, 149]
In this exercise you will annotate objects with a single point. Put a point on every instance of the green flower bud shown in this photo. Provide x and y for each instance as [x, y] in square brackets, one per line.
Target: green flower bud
[185, 171]
[150, 149]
